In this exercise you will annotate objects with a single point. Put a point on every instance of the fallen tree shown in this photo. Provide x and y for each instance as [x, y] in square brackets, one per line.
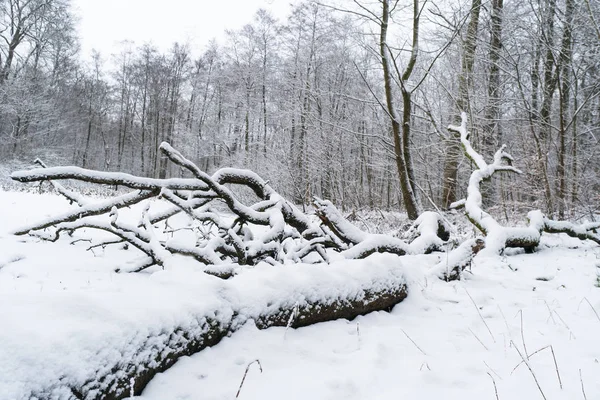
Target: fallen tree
[496, 236]
[273, 231]
[270, 297]
[290, 235]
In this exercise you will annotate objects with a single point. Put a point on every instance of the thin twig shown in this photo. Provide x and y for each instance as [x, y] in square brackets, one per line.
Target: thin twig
[505, 321]
[556, 366]
[246, 373]
[565, 324]
[481, 316]
[549, 311]
[293, 316]
[80, 240]
[491, 369]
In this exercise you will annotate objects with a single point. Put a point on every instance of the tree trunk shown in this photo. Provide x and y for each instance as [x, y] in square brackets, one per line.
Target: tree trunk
[400, 135]
[565, 90]
[453, 150]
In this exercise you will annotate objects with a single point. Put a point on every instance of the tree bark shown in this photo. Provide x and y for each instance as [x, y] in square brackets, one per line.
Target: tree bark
[401, 135]
[453, 152]
[159, 353]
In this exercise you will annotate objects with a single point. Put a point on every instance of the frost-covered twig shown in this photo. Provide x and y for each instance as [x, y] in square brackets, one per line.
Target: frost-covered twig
[247, 213]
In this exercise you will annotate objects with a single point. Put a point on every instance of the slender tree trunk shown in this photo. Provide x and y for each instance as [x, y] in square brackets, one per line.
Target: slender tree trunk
[565, 91]
[400, 134]
[453, 150]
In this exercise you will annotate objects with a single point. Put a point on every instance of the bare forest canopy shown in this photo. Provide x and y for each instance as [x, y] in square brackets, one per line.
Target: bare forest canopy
[349, 105]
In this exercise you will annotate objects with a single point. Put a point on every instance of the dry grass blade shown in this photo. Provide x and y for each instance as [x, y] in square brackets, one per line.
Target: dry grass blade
[556, 366]
[582, 387]
[495, 387]
[571, 334]
[491, 369]
[413, 342]
[532, 354]
[553, 358]
[480, 316]
[246, 373]
[523, 336]
[593, 309]
[479, 340]
[530, 370]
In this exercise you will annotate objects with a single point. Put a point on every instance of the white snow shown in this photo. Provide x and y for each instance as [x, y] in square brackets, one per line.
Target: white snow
[65, 315]
[373, 356]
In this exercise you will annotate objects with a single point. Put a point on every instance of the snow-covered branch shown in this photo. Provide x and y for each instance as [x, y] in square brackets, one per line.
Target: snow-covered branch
[220, 239]
[498, 237]
[428, 233]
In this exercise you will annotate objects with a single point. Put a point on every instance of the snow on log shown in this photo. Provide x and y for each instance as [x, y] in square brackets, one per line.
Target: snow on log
[429, 232]
[267, 297]
[332, 218]
[106, 178]
[586, 231]
[69, 195]
[454, 262]
[223, 241]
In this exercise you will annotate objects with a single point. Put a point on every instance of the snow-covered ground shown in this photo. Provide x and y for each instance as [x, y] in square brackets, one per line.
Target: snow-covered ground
[446, 341]
[64, 313]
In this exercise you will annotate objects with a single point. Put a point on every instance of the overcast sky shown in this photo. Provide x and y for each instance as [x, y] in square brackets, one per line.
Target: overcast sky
[104, 23]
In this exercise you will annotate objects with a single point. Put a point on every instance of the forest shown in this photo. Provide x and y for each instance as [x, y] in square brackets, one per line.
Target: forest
[357, 157]
[304, 102]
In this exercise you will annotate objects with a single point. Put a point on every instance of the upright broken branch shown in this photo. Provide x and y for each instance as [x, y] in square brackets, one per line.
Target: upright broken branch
[498, 237]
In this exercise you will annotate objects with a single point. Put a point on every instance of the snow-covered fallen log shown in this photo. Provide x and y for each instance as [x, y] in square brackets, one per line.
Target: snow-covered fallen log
[267, 297]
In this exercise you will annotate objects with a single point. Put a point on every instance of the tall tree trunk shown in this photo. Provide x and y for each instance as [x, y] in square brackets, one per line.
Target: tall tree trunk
[453, 150]
[565, 90]
[400, 134]
[492, 136]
